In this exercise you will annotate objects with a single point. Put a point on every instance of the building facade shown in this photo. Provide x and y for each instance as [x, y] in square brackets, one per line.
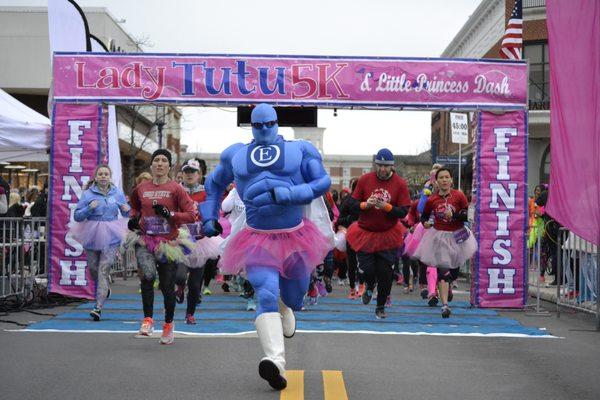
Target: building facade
[26, 75]
[481, 37]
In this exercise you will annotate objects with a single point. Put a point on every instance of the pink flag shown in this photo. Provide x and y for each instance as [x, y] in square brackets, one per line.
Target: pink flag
[574, 42]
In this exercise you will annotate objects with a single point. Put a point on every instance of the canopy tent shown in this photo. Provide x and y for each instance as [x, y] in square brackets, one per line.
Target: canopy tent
[24, 133]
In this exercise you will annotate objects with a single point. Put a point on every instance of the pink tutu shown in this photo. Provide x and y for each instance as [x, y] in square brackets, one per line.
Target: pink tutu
[205, 249]
[226, 225]
[439, 248]
[99, 235]
[412, 240]
[294, 252]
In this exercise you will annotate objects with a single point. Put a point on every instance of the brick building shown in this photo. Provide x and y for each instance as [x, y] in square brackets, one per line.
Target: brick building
[481, 37]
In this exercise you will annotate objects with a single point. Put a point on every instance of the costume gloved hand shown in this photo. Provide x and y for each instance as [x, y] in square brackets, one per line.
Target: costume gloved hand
[297, 194]
[212, 228]
[133, 223]
[162, 211]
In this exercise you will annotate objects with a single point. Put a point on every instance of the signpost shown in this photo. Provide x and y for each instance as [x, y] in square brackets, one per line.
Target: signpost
[459, 124]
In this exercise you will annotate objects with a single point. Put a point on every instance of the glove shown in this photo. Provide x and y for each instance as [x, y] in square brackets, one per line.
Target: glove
[133, 224]
[162, 211]
[212, 228]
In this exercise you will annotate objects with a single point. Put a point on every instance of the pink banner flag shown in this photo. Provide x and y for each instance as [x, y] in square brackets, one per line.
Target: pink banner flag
[499, 266]
[322, 81]
[78, 144]
[574, 42]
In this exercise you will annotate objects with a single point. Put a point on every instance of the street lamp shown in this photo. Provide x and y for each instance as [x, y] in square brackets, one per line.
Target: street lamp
[160, 123]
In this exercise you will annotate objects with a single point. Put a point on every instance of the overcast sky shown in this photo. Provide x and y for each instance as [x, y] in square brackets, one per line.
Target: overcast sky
[400, 28]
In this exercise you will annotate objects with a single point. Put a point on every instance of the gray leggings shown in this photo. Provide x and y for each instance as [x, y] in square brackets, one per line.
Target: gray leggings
[166, 277]
[99, 263]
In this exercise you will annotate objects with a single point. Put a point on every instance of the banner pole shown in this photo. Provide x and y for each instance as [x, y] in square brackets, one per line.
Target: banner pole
[459, 164]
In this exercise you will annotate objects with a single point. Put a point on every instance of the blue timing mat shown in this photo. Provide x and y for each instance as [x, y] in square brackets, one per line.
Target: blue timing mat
[227, 315]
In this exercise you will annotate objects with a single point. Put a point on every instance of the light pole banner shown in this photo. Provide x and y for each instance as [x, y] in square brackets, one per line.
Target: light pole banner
[500, 267]
[294, 80]
[78, 145]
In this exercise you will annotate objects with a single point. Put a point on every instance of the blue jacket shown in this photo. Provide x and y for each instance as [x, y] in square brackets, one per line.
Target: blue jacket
[108, 205]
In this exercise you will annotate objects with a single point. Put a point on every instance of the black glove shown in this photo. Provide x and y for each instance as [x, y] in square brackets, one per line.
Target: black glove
[162, 211]
[133, 224]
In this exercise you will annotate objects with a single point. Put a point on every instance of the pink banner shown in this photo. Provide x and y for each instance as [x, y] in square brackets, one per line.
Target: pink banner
[322, 81]
[500, 268]
[574, 42]
[78, 136]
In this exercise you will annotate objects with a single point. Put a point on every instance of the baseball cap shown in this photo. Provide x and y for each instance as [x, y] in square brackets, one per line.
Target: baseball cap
[191, 164]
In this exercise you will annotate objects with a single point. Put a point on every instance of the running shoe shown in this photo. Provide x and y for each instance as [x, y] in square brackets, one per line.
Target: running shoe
[411, 287]
[361, 289]
[380, 313]
[388, 301]
[180, 293]
[433, 301]
[225, 287]
[406, 289]
[147, 327]
[399, 279]
[446, 311]
[424, 293]
[366, 296]
[352, 294]
[250, 305]
[312, 301]
[95, 313]
[167, 335]
[190, 320]
[219, 278]
[206, 291]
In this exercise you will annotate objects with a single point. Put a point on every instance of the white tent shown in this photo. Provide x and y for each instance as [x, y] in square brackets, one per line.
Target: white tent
[24, 133]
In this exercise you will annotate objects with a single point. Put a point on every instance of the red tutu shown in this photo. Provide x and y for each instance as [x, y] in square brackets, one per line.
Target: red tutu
[370, 242]
[294, 252]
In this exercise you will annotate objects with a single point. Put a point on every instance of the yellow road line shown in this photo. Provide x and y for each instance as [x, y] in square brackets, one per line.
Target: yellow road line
[295, 386]
[333, 385]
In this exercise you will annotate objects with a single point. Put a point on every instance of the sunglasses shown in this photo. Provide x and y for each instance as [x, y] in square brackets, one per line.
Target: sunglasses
[268, 124]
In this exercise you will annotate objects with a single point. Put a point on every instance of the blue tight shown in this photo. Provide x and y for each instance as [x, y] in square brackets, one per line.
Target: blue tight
[268, 286]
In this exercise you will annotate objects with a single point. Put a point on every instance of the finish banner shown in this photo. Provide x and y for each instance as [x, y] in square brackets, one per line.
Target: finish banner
[292, 80]
[500, 266]
[79, 144]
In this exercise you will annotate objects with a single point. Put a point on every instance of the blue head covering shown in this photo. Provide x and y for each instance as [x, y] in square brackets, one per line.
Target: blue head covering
[262, 116]
[384, 157]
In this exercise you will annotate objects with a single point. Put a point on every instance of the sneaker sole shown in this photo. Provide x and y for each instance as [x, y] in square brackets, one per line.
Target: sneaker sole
[270, 373]
[95, 316]
[170, 341]
[433, 302]
[446, 314]
[149, 333]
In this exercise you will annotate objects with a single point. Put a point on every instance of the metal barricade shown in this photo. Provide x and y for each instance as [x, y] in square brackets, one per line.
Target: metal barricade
[125, 265]
[536, 266]
[578, 281]
[22, 255]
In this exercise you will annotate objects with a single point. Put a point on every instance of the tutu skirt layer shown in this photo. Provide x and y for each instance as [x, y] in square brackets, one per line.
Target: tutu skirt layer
[99, 235]
[412, 240]
[165, 250]
[439, 248]
[295, 252]
[205, 249]
[370, 242]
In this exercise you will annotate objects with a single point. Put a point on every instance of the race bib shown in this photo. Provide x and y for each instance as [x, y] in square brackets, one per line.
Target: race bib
[156, 226]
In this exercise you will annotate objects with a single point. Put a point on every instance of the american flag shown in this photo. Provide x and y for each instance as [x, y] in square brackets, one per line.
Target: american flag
[512, 42]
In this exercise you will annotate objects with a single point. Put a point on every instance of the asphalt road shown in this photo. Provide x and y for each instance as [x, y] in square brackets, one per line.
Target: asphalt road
[107, 366]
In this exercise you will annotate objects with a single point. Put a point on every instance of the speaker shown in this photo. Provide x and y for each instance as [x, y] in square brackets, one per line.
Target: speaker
[286, 116]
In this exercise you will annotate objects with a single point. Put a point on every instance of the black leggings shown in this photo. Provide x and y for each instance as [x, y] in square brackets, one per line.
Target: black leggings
[194, 283]
[422, 274]
[352, 262]
[210, 271]
[378, 268]
[407, 265]
[166, 279]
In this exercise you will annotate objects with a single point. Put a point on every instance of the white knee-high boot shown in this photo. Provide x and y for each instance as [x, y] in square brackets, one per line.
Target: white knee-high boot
[288, 319]
[270, 334]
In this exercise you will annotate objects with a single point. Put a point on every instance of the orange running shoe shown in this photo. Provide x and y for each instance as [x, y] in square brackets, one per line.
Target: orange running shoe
[167, 336]
[352, 294]
[147, 327]
[361, 290]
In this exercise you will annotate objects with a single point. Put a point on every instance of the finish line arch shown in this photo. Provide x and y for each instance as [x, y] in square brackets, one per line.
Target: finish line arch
[84, 83]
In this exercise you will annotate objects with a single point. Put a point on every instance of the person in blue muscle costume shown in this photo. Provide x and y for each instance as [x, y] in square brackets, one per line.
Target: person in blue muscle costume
[278, 248]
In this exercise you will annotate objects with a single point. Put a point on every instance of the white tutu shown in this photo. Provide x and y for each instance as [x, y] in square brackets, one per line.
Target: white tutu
[207, 248]
[439, 248]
